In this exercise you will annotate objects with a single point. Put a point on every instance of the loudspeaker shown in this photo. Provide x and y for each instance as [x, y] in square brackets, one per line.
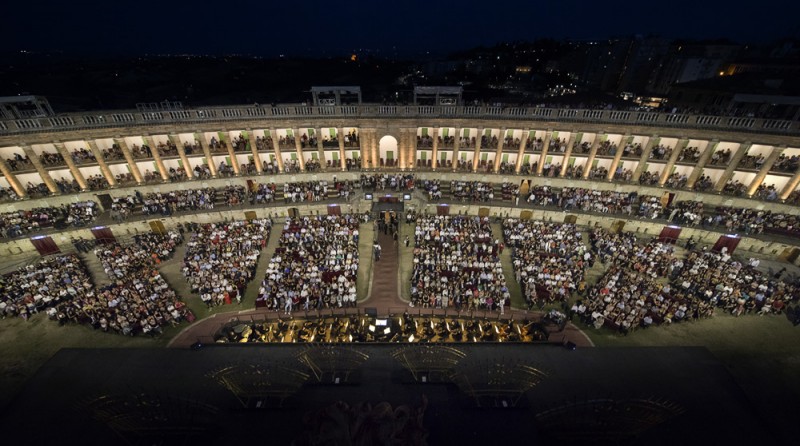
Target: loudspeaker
[570, 345]
[371, 311]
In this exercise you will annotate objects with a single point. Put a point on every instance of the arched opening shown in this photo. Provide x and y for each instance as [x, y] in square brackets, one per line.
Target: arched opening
[388, 154]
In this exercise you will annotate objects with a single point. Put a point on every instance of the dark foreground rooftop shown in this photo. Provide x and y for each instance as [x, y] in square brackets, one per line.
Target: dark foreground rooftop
[648, 396]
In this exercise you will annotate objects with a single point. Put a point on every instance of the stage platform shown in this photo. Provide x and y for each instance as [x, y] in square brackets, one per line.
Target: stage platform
[52, 409]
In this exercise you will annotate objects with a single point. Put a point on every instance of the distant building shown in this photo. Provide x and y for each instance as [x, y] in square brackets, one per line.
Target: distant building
[688, 62]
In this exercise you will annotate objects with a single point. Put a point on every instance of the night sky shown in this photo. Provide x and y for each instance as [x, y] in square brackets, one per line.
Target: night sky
[322, 28]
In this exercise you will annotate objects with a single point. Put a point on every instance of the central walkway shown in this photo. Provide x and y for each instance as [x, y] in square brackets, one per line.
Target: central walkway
[385, 276]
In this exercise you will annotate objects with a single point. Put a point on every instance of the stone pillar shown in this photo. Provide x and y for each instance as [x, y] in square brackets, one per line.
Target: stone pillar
[201, 138]
[791, 185]
[682, 143]
[568, 152]
[299, 148]
[251, 139]
[231, 153]
[342, 154]
[476, 157]
[37, 163]
[592, 155]
[365, 149]
[76, 174]
[523, 142]
[112, 181]
[732, 165]
[374, 145]
[126, 152]
[456, 145]
[276, 148]
[435, 149]
[162, 170]
[321, 149]
[701, 163]
[548, 135]
[499, 154]
[175, 139]
[762, 173]
[411, 148]
[618, 156]
[12, 179]
[648, 149]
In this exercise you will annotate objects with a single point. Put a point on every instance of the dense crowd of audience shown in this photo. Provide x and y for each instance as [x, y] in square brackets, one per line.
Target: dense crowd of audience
[471, 191]
[315, 265]
[138, 300]
[457, 264]
[549, 259]
[19, 223]
[382, 181]
[221, 259]
[715, 279]
[629, 294]
[42, 285]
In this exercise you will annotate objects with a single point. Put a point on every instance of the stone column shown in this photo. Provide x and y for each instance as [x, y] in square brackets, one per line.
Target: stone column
[435, 149]
[411, 148]
[374, 145]
[732, 165]
[12, 179]
[762, 173]
[592, 155]
[126, 152]
[568, 152]
[299, 148]
[276, 148]
[456, 145]
[498, 156]
[37, 163]
[321, 149]
[791, 185]
[201, 138]
[682, 143]
[548, 136]
[701, 163]
[231, 153]
[648, 149]
[523, 142]
[342, 154]
[175, 139]
[251, 139]
[112, 181]
[618, 156]
[162, 170]
[76, 174]
[476, 157]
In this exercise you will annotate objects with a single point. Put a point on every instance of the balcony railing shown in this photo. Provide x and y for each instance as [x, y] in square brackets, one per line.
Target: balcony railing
[118, 118]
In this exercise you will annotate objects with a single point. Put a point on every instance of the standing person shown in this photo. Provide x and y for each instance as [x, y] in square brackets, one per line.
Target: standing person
[377, 249]
[407, 241]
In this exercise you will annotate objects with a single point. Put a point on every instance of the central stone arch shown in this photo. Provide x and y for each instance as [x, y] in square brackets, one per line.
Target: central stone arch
[388, 151]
